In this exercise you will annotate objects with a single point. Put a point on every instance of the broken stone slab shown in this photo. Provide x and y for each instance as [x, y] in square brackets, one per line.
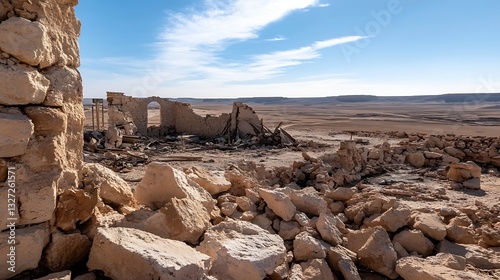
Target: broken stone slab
[212, 181]
[327, 227]
[27, 41]
[26, 85]
[113, 189]
[162, 182]
[414, 268]
[341, 194]
[30, 242]
[478, 256]
[47, 120]
[392, 219]
[414, 241]
[458, 231]
[152, 256]
[66, 250]
[349, 270]
[306, 247]
[430, 224]
[63, 275]
[432, 155]
[241, 250]
[279, 202]
[338, 253]
[288, 230]
[17, 130]
[181, 219]
[461, 172]
[308, 201]
[74, 206]
[316, 269]
[295, 272]
[378, 254]
[357, 239]
[474, 183]
[36, 199]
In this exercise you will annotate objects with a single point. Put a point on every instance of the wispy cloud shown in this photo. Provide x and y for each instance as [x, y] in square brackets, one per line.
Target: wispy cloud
[323, 5]
[277, 38]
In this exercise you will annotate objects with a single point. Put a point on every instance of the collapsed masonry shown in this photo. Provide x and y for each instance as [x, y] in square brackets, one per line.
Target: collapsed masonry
[131, 115]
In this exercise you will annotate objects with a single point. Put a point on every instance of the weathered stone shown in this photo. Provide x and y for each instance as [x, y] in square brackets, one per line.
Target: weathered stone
[245, 204]
[74, 206]
[112, 188]
[454, 152]
[279, 202]
[47, 120]
[413, 268]
[37, 200]
[326, 226]
[66, 250]
[241, 250]
[349, 270]
[30, 242]
[414, 241]
[308, 201]
[402, 253]
[474, 183]
[473, 254]
[228, 208]
[295, 272]
[212, 181]
[416, 159]
[306, 247]
[432, 155]
[357, 239]
[63, 275]
[337, 254]
[288, 230]
[342, 194]
[27, 40]
[161, 183]
[152, 257]
[17, 130]
[180, 219]
[393, 219]
[378, 254]
[458, 232]
[431, 225]
[461, 172]
[316, 269]
[25, 86]
[449, 260]
[491, 237]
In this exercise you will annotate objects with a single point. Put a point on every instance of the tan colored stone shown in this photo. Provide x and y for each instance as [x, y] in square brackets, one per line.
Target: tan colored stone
[288, 230]
[378, 254]
[337, 254]
[413, 268]
[459, 232]
[431, 225]
[180, 219]
[357, 239]
[245, 204]
[306, 247]
[295, 272]
[473, 254]
[461, 172]
[25, 86]
[308, 201]
[66, 250]
[37, 200]
[414, 241]
[393, 219]
[342, 194]
[30, 242]
[327, 227]
[279, 202]
[316, 269]
[152, 257]
[416, 159]
[17, 130]
[112, 188]
[74, 206]
[212, 181]
[241, 250]
[161, 183]
[47, 120]
[349, 270]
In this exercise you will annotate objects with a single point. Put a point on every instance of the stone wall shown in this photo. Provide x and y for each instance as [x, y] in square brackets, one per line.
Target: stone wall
[131, 114]
[41, 119]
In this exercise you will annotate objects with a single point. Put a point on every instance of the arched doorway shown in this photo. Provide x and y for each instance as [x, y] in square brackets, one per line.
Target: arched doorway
[154, 118]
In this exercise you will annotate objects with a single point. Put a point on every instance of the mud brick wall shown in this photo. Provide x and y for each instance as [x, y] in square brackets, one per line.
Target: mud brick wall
[41, 119]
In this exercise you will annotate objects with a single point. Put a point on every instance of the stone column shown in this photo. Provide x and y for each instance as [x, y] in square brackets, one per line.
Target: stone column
[41, 120]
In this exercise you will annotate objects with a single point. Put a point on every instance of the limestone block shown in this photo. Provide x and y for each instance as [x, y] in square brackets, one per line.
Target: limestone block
[279, 202]
[16, 133]
[148, 256]
[241, 250]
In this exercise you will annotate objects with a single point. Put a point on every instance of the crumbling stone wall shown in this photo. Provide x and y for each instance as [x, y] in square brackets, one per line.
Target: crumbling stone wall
[41, 120]
[130, 112]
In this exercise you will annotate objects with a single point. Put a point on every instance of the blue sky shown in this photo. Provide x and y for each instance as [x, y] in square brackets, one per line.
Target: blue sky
[293, 48]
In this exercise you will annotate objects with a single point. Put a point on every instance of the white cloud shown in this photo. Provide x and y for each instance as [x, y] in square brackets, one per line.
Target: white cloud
[323, 5]
[277, 38]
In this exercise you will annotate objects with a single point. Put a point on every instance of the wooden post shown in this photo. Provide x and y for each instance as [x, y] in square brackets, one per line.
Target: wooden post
[93, 120]
[102, 104]
[97, 115]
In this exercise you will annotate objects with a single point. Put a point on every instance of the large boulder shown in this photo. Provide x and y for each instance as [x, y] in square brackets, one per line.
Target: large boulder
[414, 268]
[279, 202]
[181, 219]
[75, 207]
[241, 250]
[327, 227]
[306, 247]
[113, 190]
[148, 256]
[308, 201]
[212, 181]
[393, 219]
[414, 241]
[473, 254]
[431, 225]
[316, 269]
[378, 254]
[461, 172]
[162, 182]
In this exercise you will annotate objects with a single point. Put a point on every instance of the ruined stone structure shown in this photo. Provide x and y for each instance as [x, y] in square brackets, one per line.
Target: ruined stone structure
[41, 122]
[131, 114]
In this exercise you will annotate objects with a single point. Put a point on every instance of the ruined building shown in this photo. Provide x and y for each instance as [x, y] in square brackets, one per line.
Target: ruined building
[131, 115]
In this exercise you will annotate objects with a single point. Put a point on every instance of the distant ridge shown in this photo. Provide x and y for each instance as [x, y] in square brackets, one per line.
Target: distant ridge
[341, 99]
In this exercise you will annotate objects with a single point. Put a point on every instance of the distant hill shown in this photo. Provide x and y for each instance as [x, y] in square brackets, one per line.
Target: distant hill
[443, 98]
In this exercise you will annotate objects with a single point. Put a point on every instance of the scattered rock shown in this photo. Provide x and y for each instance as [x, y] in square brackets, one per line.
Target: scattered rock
[461, 172]
[416, 160]
[431, 225]
[316, 269]
[414, 268]
[66, 250]
[414, 241]
[279, 202]
[326, 226]
[378, 254]
[393, 219]
[306, 247]
[473, 254]
[212, 181]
